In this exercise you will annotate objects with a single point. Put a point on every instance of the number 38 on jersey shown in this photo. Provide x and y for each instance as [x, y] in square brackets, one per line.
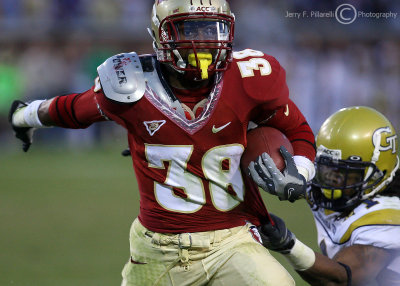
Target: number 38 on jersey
[220, 166]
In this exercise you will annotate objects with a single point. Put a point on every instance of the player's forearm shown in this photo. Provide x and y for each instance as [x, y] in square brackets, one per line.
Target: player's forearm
[78, 110]
[313, 267]
[43, 113]
[325, 271]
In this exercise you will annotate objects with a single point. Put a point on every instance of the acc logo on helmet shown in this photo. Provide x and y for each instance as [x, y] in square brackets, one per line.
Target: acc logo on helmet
[202, 9]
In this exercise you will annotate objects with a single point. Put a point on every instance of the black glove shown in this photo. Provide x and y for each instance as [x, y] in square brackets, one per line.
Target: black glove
[25, 134]
[126, 152]
[289, 185]
[277, 237]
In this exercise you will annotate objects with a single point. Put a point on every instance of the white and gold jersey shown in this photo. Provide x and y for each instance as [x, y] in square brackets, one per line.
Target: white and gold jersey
[374, 222]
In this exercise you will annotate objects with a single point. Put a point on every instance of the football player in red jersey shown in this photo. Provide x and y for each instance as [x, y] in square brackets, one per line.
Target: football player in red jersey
[186, 110]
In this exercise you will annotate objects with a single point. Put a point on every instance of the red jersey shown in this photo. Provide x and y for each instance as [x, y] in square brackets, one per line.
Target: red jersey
[188, 171]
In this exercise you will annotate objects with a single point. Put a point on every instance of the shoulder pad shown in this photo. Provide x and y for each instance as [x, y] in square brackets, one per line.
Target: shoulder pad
[375, 212]
[121, 77]
[261, 75]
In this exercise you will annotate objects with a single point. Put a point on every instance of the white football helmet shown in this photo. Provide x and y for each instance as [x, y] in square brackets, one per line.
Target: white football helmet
[193, 35]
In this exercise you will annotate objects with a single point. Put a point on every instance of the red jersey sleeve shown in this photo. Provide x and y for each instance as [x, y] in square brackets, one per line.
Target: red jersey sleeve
[293, 124]
[77, 110]
[270, 88]
[262, 79]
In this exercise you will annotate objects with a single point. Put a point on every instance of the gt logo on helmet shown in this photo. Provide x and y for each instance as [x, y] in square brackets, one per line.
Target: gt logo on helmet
[391, 140]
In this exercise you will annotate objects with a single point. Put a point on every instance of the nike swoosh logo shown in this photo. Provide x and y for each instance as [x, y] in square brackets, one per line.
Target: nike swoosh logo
[287, 110]
[216, 130]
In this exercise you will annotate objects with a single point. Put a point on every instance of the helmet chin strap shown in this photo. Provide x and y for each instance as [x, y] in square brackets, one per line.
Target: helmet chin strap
[375, 157]
[383, 183]
[375, 154]
[180, 63]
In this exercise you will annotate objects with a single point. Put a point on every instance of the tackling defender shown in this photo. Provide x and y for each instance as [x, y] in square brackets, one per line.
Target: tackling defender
[186, 110]
[355, 201]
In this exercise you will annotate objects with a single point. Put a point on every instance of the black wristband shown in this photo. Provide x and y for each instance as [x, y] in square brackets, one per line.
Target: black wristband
[348, 272]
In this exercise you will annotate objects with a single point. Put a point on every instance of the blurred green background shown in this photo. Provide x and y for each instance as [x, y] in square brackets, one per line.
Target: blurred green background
[66, 206]
[65, 216]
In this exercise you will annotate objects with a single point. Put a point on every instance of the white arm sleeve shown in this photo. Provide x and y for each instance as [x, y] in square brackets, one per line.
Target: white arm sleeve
[28, 116]
[305, 167]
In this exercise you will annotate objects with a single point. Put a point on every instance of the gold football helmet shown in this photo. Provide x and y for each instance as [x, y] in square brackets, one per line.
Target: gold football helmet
[356, 157]
[193, 35]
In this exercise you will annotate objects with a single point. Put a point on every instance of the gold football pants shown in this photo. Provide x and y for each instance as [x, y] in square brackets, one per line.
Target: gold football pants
[225, 257]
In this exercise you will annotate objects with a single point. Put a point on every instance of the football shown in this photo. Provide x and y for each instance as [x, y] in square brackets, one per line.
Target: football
[265, 139]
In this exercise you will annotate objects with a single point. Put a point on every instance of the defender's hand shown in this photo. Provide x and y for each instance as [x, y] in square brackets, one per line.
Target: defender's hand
[25, 134]
[289, 185]
[277, 237]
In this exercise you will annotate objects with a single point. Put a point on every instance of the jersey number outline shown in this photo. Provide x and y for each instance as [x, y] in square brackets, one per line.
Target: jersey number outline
[247, 68]
[220, 166]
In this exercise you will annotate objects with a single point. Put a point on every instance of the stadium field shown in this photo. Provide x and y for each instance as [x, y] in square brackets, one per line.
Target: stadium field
[65, 217]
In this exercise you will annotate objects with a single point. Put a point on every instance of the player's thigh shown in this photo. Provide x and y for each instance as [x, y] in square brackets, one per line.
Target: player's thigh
[148, 262]
[252, 264]
[144, 275]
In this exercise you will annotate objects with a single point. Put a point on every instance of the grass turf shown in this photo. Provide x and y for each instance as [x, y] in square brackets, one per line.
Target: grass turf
[65, 217]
